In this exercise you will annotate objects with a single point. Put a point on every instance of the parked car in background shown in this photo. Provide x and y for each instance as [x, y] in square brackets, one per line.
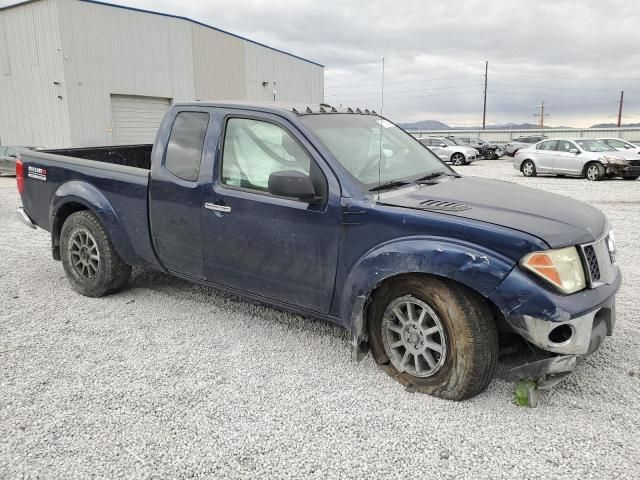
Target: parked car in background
[448, 151]
[490, 151]
[8, 155]
[621, 145]
[580, 157]
[521, 142]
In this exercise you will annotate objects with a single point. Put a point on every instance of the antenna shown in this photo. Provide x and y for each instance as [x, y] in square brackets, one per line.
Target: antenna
[382, 89]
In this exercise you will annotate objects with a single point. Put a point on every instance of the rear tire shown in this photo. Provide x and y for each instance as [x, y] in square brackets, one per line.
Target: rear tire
[90, 262]
[461, 326]
[528, 169]
[490, 155]
[594, 172]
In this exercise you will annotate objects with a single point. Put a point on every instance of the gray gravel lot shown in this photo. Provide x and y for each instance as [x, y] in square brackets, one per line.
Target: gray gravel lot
[173, 380]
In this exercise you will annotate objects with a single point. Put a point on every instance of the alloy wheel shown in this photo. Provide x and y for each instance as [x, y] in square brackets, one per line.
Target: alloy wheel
[85, 257]
[413, 336]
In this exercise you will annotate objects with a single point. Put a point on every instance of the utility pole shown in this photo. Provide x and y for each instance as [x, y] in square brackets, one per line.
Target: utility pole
[484, 108]
[620, 108]
[541, 115]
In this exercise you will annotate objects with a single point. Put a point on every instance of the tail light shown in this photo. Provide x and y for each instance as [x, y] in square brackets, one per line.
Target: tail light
[20, 174]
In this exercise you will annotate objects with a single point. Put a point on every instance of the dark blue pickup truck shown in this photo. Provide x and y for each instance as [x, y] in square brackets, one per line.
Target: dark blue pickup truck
[341, 216]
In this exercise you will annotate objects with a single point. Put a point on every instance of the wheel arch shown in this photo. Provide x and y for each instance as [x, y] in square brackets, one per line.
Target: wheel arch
[75, 196]
[589, 163]
[475, 267]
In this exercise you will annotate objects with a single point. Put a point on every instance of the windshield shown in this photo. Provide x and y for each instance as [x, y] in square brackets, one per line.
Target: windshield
[594, 146]
[373, 150]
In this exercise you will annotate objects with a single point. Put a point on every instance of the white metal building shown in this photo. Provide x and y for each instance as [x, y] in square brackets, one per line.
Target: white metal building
[84, 73]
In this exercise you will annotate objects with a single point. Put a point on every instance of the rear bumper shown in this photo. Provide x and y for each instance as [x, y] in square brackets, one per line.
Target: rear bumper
[24, 218]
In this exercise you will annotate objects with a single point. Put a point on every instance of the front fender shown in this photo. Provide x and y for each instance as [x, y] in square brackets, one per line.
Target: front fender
[90, 197]
[476, 267]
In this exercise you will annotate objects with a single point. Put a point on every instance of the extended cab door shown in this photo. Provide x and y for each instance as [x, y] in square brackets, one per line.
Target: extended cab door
[176, 192]
[280, 248]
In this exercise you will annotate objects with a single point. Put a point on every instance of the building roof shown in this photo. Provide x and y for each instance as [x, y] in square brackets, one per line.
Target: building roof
[134, 9]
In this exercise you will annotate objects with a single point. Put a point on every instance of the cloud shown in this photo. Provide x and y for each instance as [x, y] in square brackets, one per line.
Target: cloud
[574, 55]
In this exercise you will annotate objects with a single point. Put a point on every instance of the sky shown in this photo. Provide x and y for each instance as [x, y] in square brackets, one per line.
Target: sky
[573, 55]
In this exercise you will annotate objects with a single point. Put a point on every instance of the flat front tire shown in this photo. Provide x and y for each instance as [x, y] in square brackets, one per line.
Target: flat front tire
[91, 264]
[434, 336]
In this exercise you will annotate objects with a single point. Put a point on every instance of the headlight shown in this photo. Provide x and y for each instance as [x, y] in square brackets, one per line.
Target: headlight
[613, 160]
[562, 268]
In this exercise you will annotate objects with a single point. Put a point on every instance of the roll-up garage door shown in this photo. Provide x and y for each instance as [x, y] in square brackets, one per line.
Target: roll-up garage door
[135, 119]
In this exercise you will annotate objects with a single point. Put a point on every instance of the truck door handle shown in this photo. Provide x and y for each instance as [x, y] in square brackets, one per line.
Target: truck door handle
[217, 208]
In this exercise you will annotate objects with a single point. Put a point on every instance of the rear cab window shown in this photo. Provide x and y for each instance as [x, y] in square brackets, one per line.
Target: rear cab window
[186, 141]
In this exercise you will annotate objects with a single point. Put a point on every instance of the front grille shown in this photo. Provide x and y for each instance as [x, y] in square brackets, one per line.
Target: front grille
[598, 263]
[592, 263]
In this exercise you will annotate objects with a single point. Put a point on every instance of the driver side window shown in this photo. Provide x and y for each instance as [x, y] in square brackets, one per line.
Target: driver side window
[255, 149]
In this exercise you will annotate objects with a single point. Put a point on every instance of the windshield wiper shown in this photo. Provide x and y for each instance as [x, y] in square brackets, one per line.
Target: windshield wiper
[391, 184]
[433, 175]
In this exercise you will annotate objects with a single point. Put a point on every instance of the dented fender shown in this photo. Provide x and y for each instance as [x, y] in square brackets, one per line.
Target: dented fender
[474, 266]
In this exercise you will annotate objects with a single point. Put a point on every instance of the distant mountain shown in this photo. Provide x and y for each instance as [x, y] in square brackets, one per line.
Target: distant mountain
[615, 125]
[425, 125]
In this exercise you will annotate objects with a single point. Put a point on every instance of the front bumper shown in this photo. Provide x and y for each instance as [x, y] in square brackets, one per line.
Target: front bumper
[623, 171]
[561, 324]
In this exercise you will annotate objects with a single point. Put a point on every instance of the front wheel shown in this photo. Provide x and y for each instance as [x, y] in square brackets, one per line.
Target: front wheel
[458, 159]
[91, 263]
[529, 169]
[490, 155]
[595, 172]
[434, 336]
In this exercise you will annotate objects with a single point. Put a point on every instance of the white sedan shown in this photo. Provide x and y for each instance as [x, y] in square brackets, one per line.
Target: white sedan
[621, 145]
[449, 151]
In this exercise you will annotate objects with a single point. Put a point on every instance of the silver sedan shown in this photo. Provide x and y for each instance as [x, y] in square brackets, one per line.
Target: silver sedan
[577, 157]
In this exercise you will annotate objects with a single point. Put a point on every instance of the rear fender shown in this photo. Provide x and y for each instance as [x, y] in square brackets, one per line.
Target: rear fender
[85, 194]
[476, 267]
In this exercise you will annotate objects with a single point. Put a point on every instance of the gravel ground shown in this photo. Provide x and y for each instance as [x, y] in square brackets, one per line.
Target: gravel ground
[172, 380]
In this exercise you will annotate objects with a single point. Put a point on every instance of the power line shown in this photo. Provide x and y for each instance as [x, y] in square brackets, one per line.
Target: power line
[402, 82]
[400, 91]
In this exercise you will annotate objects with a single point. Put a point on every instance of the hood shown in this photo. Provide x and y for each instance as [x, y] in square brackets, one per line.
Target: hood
[469, 151]
[626, 154]
[558, 220]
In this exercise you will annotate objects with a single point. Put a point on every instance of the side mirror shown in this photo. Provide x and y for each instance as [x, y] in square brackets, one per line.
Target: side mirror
[292, 184]
[574, 151]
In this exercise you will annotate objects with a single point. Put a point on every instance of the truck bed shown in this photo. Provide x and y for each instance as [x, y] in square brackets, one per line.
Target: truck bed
[138, 156]
[116, 181]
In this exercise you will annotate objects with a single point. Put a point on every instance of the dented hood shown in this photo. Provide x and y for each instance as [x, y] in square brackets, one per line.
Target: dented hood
[558, 220]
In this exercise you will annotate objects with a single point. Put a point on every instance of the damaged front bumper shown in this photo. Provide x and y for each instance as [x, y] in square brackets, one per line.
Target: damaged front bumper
[567, 327]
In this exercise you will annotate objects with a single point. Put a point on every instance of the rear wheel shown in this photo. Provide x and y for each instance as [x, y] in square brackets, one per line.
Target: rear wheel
[490, 155]
[90, 262]
[594, 172]
[458, 159]
[529, 169]
[433, 336]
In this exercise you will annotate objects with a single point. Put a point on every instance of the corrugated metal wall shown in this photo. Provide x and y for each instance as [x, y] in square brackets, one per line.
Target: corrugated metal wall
[292, 79]
[95, 51]
[117, 51]
[218, 65]
[30, 63]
